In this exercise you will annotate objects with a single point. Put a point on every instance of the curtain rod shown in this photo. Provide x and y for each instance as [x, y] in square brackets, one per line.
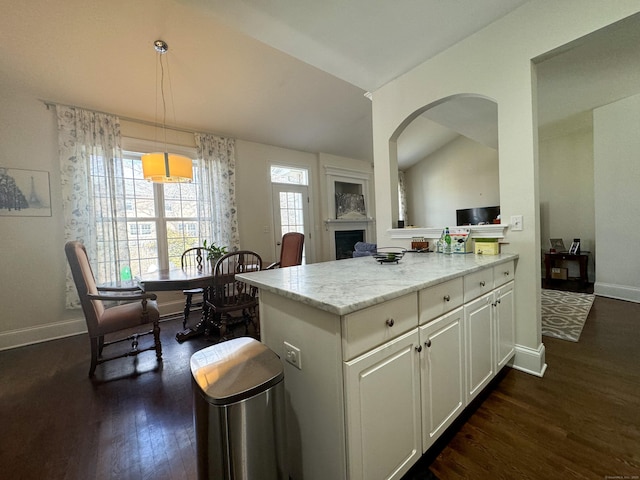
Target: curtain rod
[50, 104]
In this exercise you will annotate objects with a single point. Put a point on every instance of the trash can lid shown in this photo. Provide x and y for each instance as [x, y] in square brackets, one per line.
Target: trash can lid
[235, 370]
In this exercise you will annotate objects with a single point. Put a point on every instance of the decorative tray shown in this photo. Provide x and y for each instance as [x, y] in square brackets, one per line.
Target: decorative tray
[389, 254]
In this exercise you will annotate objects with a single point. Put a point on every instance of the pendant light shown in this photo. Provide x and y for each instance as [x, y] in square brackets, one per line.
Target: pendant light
[165, 167]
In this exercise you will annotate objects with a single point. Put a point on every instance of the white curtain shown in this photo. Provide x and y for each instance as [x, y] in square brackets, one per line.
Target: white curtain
[216, 169]
[94, 212]
[402, 197]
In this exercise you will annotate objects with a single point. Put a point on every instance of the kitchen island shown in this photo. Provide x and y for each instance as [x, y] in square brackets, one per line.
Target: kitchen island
[381, 358]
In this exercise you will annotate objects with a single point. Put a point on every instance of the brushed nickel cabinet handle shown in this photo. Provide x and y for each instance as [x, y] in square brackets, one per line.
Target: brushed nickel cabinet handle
[419, 348]
[390, 322]
[428, 343]
[482, 284]
[447, 298]
[506, 274]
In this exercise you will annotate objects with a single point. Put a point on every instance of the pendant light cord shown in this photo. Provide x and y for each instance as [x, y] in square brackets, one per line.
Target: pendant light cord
[164, 104]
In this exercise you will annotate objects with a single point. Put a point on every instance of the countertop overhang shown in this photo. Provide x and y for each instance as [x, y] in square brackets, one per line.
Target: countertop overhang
[345, 286]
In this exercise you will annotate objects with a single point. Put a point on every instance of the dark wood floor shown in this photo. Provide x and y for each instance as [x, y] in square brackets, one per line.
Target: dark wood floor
[134, 421]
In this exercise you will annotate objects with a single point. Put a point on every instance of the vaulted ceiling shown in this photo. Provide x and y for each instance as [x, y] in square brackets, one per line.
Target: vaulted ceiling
[289, 73]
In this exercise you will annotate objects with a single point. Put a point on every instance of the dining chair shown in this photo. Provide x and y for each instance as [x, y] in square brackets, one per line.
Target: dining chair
[102, 321]
[291, 248]
[193, 258]
[232, 301]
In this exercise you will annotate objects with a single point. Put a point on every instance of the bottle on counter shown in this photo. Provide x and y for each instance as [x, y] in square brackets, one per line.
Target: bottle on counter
[447, 241]
[440, 243]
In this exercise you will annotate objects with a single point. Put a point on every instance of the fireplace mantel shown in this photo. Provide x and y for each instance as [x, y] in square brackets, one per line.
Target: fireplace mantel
[356, 182]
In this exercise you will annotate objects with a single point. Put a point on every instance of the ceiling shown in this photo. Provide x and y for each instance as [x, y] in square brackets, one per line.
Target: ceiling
[289, 73]
[297, 81]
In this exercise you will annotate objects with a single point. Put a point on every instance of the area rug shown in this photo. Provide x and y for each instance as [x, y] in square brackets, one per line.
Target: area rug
[564, 313]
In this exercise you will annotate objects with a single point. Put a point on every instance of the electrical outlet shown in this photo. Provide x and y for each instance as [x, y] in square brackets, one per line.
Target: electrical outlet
[293, 355]
[516, 222]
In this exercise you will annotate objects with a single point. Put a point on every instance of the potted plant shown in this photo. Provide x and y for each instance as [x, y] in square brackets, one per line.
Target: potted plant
[214, 252]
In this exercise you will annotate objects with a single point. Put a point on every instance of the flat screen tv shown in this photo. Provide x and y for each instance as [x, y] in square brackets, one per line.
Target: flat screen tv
[477, 216]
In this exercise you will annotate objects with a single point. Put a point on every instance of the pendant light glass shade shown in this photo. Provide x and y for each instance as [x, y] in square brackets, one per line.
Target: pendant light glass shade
[166, 168]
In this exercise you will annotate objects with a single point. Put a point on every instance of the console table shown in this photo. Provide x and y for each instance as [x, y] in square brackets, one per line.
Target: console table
[550, 259]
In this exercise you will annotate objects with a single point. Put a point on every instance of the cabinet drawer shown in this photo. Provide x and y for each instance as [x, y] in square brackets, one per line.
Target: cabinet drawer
[439, 299]
[503, 273]
[478, 283]
[373, 326]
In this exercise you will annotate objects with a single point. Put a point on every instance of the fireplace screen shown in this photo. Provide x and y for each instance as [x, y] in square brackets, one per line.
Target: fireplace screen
[345, 240]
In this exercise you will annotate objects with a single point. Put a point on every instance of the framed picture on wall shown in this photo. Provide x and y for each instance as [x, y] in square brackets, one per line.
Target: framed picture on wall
[24, 193]
[350, 206]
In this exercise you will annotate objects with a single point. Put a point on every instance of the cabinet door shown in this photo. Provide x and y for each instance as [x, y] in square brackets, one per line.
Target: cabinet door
[505, 325]
[442, 374]
[478, 317]
[382, 395]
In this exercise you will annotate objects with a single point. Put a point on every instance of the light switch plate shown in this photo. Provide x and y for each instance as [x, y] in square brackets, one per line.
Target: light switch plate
[516, 223]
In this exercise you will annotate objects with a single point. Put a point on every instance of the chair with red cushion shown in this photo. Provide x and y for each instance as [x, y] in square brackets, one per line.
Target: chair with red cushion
[290, 251]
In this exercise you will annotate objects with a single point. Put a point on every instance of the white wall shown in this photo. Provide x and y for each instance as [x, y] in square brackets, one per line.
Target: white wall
[253, 187]
[462, 174]
[566, 186]
[32, 273]
[496, 63]
[617, 198]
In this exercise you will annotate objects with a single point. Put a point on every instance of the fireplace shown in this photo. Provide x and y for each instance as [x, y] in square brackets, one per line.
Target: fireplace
[345, 240]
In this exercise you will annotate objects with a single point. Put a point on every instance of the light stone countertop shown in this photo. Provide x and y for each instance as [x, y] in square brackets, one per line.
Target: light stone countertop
[345, 286]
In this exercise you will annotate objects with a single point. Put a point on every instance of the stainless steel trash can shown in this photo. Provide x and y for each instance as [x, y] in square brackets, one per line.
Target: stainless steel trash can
[238, 391]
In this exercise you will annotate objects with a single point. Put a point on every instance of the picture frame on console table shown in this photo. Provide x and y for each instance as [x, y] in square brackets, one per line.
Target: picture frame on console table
[574, 249]
[556, 245]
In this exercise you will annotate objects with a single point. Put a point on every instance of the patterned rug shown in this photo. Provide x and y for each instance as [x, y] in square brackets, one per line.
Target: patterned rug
[564, 313]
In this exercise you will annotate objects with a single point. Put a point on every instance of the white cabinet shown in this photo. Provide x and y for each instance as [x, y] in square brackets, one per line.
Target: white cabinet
[489, 336]
[439, 299]
[402, 395]
[505, 324]
[376, 325]
[382, 398]
[442, 366]
[478, 283]
[479, 340]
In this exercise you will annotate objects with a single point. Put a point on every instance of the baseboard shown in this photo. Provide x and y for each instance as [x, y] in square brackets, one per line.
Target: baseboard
[619, 292]
[41, 333]
[67, 328]
[530, 360]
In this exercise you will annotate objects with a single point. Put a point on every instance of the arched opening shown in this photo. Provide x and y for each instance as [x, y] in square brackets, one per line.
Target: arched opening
[447, 152]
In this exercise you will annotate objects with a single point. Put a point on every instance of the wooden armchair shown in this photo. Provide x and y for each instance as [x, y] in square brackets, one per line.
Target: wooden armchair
[232, 301]
[290, 251]
[193, 258]
[102, 321]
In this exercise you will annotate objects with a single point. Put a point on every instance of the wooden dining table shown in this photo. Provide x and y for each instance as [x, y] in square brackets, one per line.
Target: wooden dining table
[182, 279]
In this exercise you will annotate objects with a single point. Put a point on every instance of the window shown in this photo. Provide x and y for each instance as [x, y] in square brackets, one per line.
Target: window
[162, 220]
[290, 175]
